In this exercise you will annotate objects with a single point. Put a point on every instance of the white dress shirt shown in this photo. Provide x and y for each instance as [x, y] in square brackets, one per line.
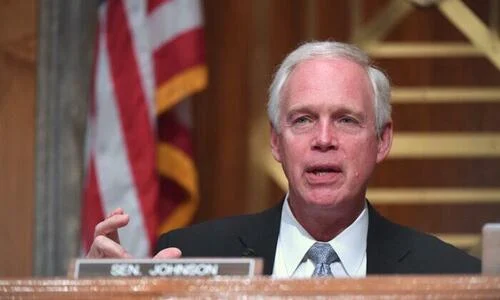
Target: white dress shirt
[294, 242]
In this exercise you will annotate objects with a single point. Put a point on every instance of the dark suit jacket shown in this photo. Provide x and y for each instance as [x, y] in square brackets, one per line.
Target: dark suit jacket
[391, 248]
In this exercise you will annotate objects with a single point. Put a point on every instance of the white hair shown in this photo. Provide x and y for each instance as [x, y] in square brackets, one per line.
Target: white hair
[330, 49]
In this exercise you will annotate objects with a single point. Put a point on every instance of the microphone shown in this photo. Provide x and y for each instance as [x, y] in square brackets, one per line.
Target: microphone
[248, 252]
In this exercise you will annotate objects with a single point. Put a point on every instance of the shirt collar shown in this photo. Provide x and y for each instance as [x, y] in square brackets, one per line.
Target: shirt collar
[350, 244]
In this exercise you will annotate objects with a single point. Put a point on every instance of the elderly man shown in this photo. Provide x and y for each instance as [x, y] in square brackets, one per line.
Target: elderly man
[330, 126]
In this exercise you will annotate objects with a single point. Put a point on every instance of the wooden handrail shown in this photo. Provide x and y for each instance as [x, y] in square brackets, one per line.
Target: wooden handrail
[376, 287]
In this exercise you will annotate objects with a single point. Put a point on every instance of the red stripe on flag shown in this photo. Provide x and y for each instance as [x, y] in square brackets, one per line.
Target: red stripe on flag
[171, 131]
[133, 110]
[171, 195]
[92, 209]
[185, 51]
[153, 4]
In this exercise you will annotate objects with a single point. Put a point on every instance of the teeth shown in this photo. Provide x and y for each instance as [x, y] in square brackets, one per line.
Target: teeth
[321, 173]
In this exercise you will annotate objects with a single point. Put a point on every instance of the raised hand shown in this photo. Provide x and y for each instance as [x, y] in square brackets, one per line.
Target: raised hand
[106, 242]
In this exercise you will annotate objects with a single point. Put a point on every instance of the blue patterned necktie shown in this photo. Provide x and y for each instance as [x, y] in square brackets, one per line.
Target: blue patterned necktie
[322, 255]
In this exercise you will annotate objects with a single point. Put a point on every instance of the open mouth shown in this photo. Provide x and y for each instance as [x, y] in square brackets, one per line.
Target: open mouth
[323, 170]
[323, 174]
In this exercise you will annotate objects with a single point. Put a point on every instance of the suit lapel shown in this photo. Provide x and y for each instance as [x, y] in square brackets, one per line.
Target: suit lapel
[261, 236]
[385, 248]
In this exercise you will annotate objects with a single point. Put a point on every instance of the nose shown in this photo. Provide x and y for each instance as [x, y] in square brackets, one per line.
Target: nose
[325, 138]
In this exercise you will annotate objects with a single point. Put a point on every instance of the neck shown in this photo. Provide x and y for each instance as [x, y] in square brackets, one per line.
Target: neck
[324, 224]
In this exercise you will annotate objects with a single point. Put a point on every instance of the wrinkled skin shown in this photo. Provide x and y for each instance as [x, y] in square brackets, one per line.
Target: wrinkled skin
[327, 143]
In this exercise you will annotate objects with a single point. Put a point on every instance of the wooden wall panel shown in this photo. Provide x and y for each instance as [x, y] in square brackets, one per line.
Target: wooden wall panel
[445, 117]
[463, 116]
[245, 41]
[237, 33]
[221, 124]
[447, 71]
[17, 124]
[439, 172]
[462, 218]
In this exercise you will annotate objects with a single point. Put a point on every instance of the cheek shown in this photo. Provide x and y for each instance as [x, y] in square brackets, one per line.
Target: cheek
[293, 153]
[296, 148]
[362, 153]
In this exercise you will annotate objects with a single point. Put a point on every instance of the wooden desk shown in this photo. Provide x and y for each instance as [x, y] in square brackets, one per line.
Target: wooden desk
[377, 287]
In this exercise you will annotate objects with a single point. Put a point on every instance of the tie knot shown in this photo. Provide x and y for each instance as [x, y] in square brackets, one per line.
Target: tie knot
[322, 253]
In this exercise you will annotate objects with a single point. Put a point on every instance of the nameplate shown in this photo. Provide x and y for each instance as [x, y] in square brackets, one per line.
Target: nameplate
[182, 267]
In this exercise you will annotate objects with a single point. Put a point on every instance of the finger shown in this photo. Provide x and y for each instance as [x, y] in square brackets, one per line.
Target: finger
[110, 225]
[103, 247]
[117, 211]
[121, 220]
[171, 252]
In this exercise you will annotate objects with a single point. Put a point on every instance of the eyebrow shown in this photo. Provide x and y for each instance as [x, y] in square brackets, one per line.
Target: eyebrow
[336, 111]
[299, 110]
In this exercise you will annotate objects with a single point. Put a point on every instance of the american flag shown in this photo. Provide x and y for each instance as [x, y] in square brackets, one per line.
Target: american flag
[149, 59]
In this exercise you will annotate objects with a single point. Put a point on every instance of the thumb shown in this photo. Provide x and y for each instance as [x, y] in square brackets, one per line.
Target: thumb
[168, 253]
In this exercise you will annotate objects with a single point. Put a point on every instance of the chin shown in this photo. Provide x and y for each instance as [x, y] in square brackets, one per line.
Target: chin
[325, 198]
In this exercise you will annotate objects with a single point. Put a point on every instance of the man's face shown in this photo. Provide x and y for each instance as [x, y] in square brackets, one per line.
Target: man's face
[326, 139]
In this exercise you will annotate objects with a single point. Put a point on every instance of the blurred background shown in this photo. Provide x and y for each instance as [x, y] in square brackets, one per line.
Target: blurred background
[443, 58]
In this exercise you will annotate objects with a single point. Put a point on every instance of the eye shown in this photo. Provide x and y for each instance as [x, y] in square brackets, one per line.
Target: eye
[348, 120]
[302, 120]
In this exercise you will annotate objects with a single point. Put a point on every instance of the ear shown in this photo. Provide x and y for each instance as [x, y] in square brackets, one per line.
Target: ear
[384, 142]
[275, 144]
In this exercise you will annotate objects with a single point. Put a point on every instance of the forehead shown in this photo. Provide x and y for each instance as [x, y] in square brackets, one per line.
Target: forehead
[337, 80]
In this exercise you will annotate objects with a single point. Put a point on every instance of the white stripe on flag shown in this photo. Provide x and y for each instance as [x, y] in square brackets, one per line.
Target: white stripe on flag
[115, 179]
[171, 19]
[136, 12]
